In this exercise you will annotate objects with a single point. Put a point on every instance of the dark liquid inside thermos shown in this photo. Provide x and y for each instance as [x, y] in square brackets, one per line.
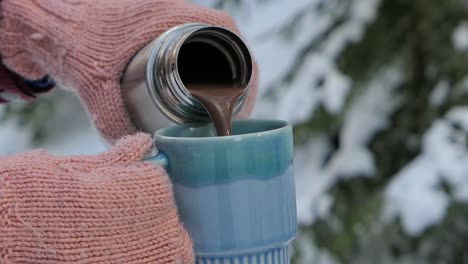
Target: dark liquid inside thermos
[208, 76]
[192, 73]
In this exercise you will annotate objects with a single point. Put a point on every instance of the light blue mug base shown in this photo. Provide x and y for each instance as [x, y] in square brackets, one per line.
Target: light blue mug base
[280, 255]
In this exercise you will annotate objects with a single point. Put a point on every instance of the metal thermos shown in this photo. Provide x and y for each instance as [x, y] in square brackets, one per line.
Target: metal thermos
[154, 82]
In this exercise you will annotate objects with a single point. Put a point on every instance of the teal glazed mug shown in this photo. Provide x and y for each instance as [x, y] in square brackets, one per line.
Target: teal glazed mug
[235, 194]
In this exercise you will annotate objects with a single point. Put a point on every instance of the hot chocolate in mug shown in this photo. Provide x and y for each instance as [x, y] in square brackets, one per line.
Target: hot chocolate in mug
[235, 194]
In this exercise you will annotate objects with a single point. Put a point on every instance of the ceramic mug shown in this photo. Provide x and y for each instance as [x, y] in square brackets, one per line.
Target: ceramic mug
[235, 194]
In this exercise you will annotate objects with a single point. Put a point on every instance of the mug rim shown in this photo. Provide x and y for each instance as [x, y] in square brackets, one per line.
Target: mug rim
[280, 126]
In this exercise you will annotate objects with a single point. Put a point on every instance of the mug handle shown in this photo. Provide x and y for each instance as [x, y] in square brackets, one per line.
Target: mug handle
[159, 159]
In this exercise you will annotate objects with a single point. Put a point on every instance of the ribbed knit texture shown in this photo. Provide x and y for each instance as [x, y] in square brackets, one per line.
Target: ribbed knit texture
[108, 208]
[86, 44]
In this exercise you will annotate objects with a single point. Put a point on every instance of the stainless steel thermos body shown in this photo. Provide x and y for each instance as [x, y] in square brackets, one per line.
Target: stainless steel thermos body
[154, 82]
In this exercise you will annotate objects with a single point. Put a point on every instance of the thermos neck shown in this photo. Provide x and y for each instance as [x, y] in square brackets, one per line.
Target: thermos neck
[189, 54]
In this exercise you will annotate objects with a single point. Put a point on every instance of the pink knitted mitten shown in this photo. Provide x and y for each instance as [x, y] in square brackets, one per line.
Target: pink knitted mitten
[108, 208]
[85, 45]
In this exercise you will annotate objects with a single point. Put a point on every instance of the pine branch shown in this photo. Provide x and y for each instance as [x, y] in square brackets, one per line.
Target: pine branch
[301, 57]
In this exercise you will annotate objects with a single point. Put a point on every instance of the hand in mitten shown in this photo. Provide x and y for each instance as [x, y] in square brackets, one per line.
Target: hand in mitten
[108, 208]
[85, 45]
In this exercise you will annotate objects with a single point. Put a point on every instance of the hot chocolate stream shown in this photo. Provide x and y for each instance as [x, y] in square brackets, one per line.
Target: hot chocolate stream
[219, 101]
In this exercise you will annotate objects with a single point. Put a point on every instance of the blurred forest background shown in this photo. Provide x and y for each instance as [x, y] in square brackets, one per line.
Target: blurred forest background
[377, 92]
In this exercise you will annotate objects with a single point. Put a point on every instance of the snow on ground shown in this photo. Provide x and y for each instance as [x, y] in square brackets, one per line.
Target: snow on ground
[415, 194]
